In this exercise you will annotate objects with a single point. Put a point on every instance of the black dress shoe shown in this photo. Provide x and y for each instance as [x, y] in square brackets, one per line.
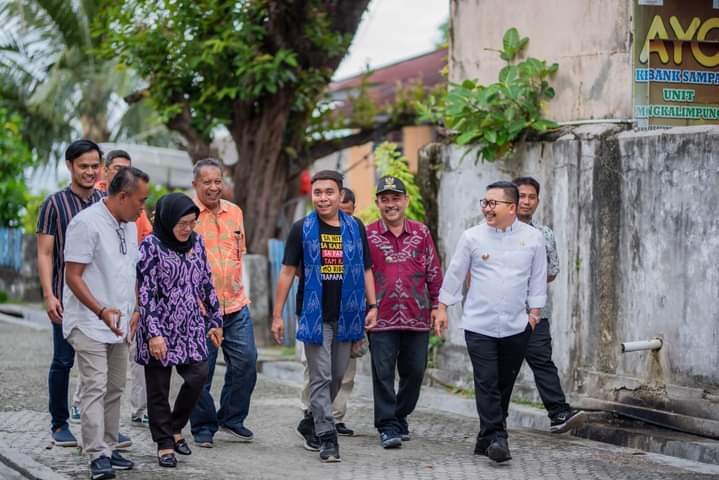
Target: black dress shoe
[182, 448]
[167, 460]
[498, 450]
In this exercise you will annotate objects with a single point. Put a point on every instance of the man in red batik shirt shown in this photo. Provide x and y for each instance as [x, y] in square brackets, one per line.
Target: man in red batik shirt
[408, 277]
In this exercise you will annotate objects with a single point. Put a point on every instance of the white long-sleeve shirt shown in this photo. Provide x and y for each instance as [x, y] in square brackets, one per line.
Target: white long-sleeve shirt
[508, 274]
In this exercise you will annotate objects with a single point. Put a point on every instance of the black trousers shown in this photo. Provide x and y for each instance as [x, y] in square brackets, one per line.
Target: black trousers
[496, 363]
[539, 359]
[407, 352]
[164, 421]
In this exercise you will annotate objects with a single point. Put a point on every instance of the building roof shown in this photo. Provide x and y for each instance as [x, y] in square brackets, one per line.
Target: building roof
[383, 81]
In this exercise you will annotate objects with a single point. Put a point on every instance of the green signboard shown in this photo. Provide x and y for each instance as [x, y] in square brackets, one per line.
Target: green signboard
[676, 62]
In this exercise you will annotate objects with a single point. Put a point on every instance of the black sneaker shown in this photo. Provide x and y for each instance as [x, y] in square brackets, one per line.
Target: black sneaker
[241, 433]
[343, 430]
[101, 469]
[390, 439]
[306, 430]
[565, 421]
[329, 448]
[118, 462]
[498, 450]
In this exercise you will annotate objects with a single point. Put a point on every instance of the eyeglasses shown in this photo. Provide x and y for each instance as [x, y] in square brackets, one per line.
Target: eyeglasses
[123, 244]
[187, 225]
[492, 204]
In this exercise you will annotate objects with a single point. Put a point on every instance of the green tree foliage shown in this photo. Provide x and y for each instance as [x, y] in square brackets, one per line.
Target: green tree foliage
[495, 116]
[390, 161]
[51, 73]
[15, 157]
[255, 68]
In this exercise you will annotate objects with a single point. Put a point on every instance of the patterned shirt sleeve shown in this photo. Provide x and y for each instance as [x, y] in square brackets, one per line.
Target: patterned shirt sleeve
[433, 268]
[212, 304]
[148, 279]
[47, 218]
[552, 256]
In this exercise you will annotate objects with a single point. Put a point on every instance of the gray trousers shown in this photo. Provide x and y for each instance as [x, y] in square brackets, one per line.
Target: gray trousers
[339, 405]
[327, 364]
[103, 369]
[138, 394]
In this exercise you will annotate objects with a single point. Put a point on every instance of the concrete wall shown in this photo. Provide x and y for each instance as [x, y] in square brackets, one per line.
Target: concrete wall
[638, 240]
[590, 39]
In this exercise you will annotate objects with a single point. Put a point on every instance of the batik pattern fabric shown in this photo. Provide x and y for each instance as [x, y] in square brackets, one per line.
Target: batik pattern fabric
[350, 325]
[407, 275]
[171, 287]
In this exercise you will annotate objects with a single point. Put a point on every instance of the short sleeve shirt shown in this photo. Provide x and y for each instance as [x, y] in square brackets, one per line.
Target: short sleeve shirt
[55, 214]
[110, 254]
[332, 268]
[224, 235]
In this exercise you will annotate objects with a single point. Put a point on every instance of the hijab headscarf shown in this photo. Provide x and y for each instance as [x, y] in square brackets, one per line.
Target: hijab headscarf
[168, 211]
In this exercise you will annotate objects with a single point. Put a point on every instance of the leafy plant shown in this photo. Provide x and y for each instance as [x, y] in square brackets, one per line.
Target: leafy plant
[15, 157]
[435, 343]
[390, 161]
[495, 116]
[31, 211]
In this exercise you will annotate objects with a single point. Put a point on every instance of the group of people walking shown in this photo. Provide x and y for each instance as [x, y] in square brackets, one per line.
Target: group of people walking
[169, 295]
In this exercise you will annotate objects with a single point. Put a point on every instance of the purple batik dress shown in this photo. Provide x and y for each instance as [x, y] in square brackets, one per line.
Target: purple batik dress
[171, 285]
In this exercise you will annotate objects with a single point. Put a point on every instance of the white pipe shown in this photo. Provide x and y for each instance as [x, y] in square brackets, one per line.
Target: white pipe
[651, 344]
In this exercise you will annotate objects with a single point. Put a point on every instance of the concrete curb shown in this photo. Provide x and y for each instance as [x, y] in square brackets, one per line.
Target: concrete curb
[520, 416]
[26, 466]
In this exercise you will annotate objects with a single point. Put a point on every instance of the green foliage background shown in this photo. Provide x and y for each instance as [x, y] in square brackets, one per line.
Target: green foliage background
[15, 157]
[495, 116]
[390, 161]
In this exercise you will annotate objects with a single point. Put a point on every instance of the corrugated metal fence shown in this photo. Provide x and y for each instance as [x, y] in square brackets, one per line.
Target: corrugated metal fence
[11, 248]
[276, 249]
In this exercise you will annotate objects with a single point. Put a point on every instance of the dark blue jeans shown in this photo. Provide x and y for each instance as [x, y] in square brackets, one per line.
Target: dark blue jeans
[240, 355]
[63, 358]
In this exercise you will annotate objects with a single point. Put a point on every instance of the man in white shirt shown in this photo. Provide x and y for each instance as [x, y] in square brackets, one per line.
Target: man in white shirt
[100, 257]
[507, 262]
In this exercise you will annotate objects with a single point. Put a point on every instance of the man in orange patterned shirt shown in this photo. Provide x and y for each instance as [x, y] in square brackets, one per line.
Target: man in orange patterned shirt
[221, 225]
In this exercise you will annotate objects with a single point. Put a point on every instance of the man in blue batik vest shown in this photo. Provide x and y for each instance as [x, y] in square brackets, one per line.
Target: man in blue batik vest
[335, 302]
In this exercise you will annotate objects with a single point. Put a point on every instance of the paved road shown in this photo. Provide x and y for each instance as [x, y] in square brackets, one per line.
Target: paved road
[441, 447]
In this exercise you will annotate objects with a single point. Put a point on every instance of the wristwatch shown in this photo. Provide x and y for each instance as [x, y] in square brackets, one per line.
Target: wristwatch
[370, 306]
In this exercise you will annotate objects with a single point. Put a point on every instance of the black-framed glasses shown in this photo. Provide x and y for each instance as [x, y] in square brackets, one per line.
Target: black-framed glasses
[123, 244]
[492, 204]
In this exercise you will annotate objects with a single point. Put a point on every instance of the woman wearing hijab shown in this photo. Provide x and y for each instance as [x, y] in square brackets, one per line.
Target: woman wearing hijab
[175, 289]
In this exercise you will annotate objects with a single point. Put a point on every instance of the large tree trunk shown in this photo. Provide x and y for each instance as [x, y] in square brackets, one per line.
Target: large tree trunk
[262, 169]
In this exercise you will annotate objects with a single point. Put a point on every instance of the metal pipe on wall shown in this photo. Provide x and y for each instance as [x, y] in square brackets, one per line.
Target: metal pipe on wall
[638, 345]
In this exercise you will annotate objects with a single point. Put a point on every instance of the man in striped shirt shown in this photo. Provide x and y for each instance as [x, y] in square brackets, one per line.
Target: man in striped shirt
[82, 159]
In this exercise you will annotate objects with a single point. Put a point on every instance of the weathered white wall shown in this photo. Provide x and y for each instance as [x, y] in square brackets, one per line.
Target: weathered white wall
[638, 235]
[590, 39]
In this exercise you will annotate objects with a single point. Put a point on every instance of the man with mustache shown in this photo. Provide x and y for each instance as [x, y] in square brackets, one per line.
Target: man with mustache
[221, 224]
[408, 277]
[507, 262]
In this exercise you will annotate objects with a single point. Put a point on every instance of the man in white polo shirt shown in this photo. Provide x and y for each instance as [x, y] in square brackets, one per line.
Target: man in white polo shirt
[508, 266]
[100, 257]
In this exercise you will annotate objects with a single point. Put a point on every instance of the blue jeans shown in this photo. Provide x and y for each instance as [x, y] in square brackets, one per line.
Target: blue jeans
[63, 358]
[240, 355]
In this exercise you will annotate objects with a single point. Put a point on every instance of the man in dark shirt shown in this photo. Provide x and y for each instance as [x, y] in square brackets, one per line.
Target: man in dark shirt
[331, 252]
[82, 159]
